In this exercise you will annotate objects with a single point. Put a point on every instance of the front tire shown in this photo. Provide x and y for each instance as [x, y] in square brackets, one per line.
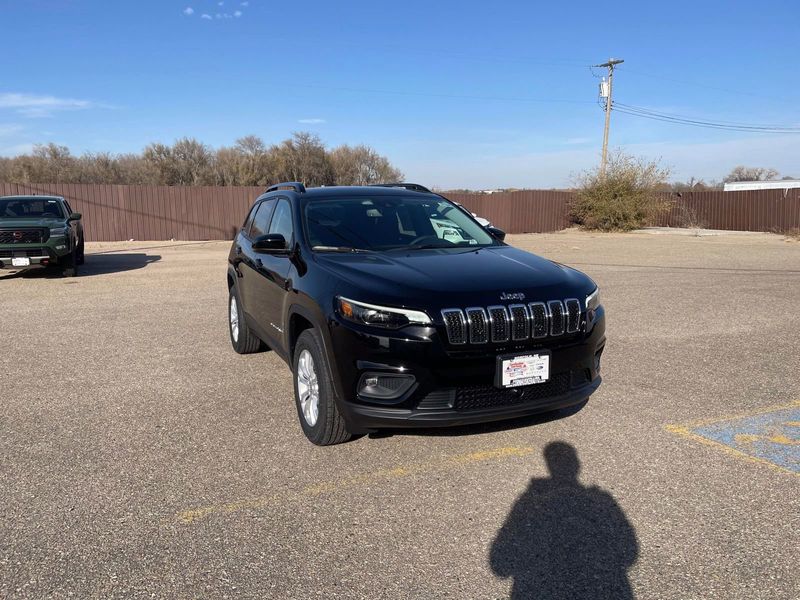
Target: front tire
[70, 262]
[314, 393]
[243, 339]
[80, 253]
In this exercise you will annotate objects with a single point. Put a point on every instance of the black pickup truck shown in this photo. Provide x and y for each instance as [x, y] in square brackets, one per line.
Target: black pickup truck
[395, 308]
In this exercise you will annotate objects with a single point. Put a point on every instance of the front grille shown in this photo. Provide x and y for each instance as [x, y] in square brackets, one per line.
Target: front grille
[520, 323]
[29, 252]
[21, 236]
[539, 319]
[476, 397]
[573, 307]
[498, 317]
[480, 396]
[476, 323]
[557, 321]
[456, 325]
[517, 322]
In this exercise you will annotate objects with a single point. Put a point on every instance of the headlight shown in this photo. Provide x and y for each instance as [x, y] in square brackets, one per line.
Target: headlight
[379, 316]
[593, 300]
[58, 232]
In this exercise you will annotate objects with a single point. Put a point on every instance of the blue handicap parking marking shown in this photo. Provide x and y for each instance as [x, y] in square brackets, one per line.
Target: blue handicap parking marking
[771, 436]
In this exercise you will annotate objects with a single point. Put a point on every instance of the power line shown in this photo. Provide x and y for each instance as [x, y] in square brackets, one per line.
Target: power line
[647, 113]
[707, 86]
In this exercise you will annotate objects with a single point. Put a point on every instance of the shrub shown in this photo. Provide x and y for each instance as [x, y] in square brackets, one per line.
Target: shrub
[623, 198]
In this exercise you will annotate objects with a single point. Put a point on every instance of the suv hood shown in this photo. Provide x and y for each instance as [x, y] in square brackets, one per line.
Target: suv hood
[459, 278]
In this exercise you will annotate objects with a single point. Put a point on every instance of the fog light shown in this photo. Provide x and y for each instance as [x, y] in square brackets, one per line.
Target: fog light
[384, 386]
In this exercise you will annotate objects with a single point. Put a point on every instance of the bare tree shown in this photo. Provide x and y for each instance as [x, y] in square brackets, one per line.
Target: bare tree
[303, 158]
[742, 173]
[361, 165]
[188, 162]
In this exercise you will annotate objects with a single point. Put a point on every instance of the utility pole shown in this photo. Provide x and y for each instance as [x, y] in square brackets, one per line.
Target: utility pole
[606, 93]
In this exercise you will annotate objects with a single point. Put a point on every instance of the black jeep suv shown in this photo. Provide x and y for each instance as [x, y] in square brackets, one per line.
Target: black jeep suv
[395, 308]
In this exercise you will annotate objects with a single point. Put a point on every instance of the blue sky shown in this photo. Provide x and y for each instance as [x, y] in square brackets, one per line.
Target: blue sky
[457, 94]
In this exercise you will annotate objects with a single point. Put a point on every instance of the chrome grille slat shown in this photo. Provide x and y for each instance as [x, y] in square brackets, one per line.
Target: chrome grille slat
[573, 306]
[520, 322]
[499, 324]
[539, 319]
[557, 317]
[477, 325]
[456, 325]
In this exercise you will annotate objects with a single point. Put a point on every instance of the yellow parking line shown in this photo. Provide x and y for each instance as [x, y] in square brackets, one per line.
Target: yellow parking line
[686, 431]
[455, 461]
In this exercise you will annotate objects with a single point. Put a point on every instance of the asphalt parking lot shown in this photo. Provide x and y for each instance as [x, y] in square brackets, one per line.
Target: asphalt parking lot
[141, 457]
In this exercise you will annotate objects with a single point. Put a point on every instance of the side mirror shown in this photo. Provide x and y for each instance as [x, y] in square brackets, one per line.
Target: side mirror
[497, 233]
[75, 217]
[272, 243]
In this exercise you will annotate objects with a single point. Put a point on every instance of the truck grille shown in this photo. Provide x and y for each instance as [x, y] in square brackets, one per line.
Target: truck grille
[21, 236]
[29, 252]
[477, 397]
[516, 322]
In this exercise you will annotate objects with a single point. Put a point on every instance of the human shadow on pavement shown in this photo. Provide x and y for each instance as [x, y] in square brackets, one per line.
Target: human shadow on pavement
[565, 540]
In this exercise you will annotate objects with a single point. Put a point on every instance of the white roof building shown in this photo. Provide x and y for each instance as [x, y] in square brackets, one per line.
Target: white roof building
[739, 186]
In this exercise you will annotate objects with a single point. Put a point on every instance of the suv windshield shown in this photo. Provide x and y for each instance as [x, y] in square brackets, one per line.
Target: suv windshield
[30, 208]
[390, 223]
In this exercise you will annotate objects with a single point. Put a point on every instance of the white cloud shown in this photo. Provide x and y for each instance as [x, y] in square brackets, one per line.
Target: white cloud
[237, 13]
[33, 106]
[220, 3]
[311, 121]
[188, 11]
[205, 16]
[245, 4]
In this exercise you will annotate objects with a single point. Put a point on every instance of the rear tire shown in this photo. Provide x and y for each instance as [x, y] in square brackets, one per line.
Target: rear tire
[314, 393]
[243, 339]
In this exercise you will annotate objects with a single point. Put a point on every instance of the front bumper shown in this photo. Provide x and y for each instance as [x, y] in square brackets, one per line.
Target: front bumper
[39, 255]
[455, 386]
[365, 417]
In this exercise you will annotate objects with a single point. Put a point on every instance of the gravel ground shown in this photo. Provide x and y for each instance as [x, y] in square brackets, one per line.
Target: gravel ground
[141, 457]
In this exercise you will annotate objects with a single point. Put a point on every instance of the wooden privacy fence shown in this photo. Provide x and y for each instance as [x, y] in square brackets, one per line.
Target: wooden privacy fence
[151, 212]
[148, 212]
[753, 210]
[528, 211]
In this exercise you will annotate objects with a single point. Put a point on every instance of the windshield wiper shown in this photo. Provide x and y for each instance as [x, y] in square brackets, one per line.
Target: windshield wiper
[338, 249]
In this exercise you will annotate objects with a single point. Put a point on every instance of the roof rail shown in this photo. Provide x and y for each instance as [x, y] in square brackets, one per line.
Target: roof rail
[414, 187]
[295, 185]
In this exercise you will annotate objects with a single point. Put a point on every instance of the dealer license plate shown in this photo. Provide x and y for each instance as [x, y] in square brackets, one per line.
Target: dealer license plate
[21, 262]
[526, 369]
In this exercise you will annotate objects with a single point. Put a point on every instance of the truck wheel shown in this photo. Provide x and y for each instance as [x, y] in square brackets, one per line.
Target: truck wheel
[81, 257]
[314, 393]
[243, 340]
[70, 264]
